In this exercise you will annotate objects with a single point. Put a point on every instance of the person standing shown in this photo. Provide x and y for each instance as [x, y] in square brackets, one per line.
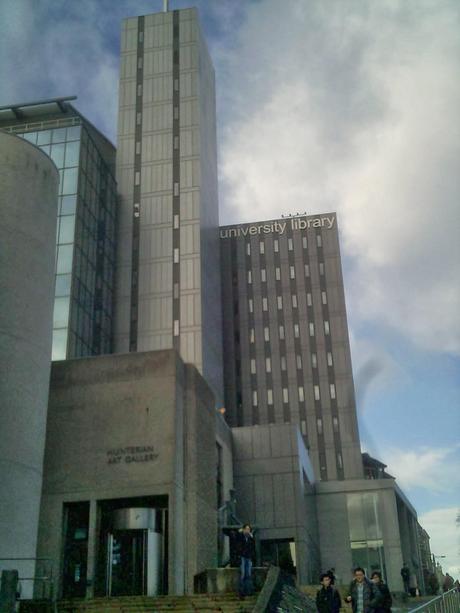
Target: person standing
[386, 599]
[247, 551]
[448, 583]
[327, 598]
[405, 574]
[363, 594]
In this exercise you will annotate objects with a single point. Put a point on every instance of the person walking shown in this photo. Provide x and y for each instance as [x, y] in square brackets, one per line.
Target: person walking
[363, 594]
[247, 551]
[327, 598]
[386, 599]
[405, 574]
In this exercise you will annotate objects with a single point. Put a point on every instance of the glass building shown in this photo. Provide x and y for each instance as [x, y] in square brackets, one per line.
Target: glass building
[85, 239]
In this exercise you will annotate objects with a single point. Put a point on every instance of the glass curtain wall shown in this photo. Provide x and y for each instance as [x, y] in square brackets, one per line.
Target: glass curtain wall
[85, 242]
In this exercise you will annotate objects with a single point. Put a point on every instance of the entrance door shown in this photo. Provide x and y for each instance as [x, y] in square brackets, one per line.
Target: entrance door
[127, 563]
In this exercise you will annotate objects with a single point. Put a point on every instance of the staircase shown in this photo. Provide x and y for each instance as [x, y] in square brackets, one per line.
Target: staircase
[199, 603]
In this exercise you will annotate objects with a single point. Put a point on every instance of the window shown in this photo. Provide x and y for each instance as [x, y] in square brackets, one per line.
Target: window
[69, 185]
[138, 147]
[283, 362]
[139, 89]
[249, 277]
[254, 398]
[281, 332]
[309, 301]
[139, 62]
[290, 244]
[68, 205]
[319, 425]
[64, 259]
[262, 247]
[301, 394]
[269, 396]
[176, 255]
[176, 142]
[248, 248]
[176, 85]
[264, 304]
[137, 178]
[294, 301]
[176, 222]
[303, 427]
[335, 424]
[307, 270]
[268, 364]
[253, 366]
[176, 188]
[339, 460]
[304, 242]
[176, 327]
[324, 297]
[276, 246]
[285, 394]
[316, 392]
[138, 118]
[176, 290]
[319, 240]
[314, 361]
[176, 112]
[321, 268]
[292, 272]
[332, 391]
[57, 155]
[326, 327]
[63, 285]
[298, 360]
[67, 229]
[311, 328]
[61, 312]
[251, 305]
[277, 273]
[296, 331]
[329, 358]
[251, 335]
[263, 275]
[141, 37]
[267, 333]
[279, 302]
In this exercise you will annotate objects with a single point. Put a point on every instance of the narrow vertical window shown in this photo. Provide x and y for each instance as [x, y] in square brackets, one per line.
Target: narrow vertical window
[321, 268]
[254, 398]
[264, 304]
[137, 178]
[176, 113]
[267, 333]
[296, 331]
[329, 359]
[311, 329]
[138, 147]
[276, 246]
[139, 89]
[298, 360]
[304, 242]
[335, 424]
[324, 297]
[292, 272]
[269, 396]
[262, 247]
[253, 366]
[314, 360]
[251, 305]
[268, 365]
[278, 273]
[316, 392]
[283, 362]
[176, 142]
[326, 327]
[319, 425]
[279, 302]
[141, 36]
[176, 327]
[332, 391]
[309, 301]
[319, 240]
[249, 277]
[176, 222]
[301, 394]
[303, 427]
[263, 275]
[138, 118]
[307, 270]
[339, 460]
[281, 332]
[251, 335]
[285, 394]
[176, 188]
[248, 248]
[290, 244]
[176, 255]
[294, 301]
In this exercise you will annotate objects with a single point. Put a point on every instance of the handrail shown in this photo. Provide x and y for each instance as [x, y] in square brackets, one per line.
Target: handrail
[452, 597]
[45, 579]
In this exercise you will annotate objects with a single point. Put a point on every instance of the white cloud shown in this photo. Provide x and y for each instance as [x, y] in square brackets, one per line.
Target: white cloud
[434, 470]
[354, 107]
[444, 537]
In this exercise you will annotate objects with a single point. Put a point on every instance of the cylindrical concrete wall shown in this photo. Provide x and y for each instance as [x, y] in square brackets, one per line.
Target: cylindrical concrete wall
[28, 212]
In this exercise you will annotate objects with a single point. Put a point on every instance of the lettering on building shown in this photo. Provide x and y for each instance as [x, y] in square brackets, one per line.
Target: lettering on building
[279, 227]
[131, 455]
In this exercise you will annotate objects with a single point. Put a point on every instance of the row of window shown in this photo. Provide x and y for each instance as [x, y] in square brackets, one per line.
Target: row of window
[290, 244]
[281, 331]
[283, 363]
[279, 302]
[300, 393]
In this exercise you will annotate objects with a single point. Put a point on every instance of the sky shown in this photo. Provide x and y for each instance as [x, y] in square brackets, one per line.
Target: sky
[323, 105]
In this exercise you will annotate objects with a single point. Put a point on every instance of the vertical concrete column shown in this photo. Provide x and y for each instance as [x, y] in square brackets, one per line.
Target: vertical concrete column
[93, 536]
[28, 212]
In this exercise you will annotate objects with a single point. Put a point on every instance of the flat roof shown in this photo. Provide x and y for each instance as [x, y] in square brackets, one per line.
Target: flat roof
[30, 110]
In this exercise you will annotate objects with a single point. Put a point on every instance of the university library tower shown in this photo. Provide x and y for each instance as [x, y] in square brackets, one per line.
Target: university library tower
[201, 376]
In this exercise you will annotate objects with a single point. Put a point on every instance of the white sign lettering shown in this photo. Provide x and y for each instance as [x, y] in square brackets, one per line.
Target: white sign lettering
[298, 223]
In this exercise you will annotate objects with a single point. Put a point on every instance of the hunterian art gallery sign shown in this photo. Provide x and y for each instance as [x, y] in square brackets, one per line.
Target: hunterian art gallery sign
[279, 227]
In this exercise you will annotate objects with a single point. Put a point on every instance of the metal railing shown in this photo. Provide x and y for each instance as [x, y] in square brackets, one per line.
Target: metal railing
[449, 602]
[43, 584]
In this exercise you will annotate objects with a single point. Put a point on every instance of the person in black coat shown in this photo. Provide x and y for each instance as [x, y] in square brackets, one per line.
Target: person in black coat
[247, 551]
[386, 599]
[327, 598]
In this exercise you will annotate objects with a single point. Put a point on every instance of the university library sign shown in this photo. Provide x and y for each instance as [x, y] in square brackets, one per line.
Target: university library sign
[279, 227]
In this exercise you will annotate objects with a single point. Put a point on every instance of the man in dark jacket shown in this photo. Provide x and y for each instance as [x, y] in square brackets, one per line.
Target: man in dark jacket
[386, 599]
[363, 595]
[327, 598]
[247, 551]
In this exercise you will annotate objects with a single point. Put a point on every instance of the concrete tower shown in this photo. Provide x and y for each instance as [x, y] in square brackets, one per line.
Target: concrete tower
[28, 195]
[168, 273]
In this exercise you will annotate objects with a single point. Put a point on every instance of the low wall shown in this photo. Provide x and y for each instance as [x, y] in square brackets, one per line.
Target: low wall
[224, 580]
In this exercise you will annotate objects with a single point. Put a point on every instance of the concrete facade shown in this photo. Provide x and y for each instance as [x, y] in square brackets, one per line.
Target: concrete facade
[103, 413]
[28, 210]
[168, 275]
[274, 481]
[287, 352]
[361, 523]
